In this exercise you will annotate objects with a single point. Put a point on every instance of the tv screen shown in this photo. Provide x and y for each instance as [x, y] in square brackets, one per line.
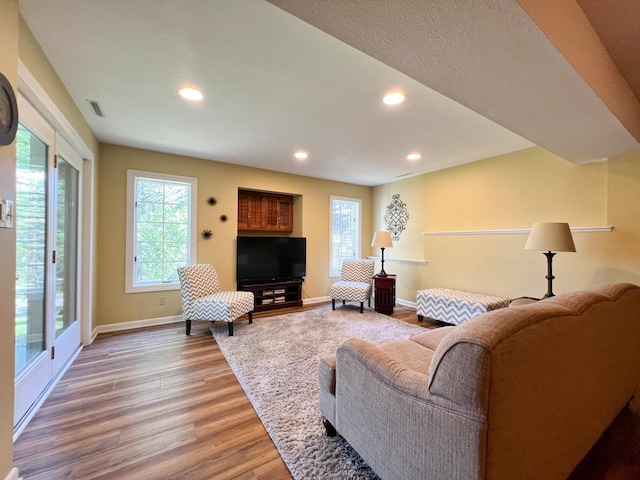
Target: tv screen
[271, 258]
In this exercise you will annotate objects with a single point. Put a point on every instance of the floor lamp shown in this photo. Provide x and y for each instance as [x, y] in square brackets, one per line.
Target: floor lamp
[550, 238]
[382, 239]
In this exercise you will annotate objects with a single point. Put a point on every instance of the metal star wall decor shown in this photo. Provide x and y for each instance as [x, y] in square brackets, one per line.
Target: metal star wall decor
[396, 217]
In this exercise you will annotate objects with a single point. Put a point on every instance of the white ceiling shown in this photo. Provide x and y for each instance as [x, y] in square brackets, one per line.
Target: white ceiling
[274, 83]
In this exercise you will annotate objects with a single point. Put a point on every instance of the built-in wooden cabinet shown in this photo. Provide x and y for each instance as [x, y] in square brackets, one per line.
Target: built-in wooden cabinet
[265, 211]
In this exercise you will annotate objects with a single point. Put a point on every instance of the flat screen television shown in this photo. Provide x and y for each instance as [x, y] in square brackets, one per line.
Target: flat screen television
[271, 259]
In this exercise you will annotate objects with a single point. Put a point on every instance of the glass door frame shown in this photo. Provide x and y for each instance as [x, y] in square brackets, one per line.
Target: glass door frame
[31, 91]
[32, 383]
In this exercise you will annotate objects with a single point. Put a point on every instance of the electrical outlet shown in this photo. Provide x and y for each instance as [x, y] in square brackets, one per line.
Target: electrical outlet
[161, 299]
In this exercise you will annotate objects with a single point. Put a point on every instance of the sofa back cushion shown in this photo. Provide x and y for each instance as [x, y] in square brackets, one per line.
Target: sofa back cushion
[548, 377]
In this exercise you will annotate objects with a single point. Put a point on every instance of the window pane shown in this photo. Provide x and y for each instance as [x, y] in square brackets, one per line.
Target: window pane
[176, 232]
[149, 212]
[177, 194]
[147, 272]
[31, 228]
[66, 246]
[149, 252]
[176, 213]
[175, 252]
[150, 191]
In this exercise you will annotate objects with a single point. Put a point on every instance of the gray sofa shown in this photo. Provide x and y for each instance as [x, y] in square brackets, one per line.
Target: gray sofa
[522, 392]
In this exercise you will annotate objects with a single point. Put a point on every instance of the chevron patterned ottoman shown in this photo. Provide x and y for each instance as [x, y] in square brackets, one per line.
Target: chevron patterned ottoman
[455, 306]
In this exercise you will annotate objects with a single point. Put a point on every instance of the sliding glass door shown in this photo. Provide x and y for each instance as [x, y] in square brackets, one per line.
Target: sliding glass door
[47, 330]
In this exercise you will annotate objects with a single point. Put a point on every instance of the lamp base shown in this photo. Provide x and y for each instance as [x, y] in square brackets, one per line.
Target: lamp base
[550, 276]
[382, 272]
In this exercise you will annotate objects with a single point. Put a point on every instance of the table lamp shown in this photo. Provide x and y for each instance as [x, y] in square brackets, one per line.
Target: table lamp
[382, 239]
[550, 237]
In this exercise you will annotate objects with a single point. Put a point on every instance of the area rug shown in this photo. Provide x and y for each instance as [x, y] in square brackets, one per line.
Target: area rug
[276, 361]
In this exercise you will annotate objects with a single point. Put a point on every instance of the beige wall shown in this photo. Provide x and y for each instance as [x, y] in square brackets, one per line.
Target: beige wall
[35, 60]
[221, 181]
[9, 67]
[513, 191]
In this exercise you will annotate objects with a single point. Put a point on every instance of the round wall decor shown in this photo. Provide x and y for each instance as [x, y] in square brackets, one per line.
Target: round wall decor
[8, 112]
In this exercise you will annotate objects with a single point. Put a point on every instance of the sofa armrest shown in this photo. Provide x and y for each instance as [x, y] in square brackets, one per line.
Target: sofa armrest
[382, 365]
[386, 413]
[327, 373]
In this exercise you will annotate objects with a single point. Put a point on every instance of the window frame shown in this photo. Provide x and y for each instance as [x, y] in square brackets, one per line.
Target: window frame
[358, 231]
[132, 177]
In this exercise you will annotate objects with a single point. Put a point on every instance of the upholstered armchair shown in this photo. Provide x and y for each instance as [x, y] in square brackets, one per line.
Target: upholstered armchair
[202, 298]
[355, 283]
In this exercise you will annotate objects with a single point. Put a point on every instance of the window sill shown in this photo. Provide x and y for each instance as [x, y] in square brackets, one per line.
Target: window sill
[152, 288]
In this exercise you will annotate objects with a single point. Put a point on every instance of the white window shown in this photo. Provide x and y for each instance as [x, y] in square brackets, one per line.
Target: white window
[161, 229]
[345, 231]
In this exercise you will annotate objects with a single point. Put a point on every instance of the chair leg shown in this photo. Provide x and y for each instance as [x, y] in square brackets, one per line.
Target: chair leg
[361, 307]
[344, 302]
[230, 328]
[188, 322]
[369, 302]
[250, 317]
[333, 304]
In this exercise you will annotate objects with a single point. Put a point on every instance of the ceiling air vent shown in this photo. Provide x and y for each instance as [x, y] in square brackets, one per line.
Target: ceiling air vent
[403, 175]
[95, 106]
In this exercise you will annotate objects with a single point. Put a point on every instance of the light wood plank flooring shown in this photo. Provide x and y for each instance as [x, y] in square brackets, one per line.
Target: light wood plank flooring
[156, 404]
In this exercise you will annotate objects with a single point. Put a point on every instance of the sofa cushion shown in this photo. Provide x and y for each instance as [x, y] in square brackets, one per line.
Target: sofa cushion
[432, 338]
[410, 354]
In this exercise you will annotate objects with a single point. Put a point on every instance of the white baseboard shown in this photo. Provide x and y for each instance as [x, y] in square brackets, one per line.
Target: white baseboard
[152, 322]
[149, 322]
[407, 303]
[13, 474]
[311, 301]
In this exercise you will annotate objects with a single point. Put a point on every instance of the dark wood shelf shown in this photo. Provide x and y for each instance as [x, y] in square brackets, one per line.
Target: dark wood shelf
[272, 295]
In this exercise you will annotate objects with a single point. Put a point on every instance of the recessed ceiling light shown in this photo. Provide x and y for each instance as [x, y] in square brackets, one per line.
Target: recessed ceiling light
[414, 156]
[393, 98]
[191, 94]
[301, 154]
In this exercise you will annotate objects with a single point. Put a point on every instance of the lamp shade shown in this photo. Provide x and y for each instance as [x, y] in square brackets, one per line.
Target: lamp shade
[382, 238]
[550, 237]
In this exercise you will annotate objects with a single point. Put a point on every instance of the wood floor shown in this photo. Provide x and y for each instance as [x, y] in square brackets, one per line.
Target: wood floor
[156, 404]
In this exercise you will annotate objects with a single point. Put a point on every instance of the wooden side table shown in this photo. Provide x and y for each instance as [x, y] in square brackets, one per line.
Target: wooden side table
[385, 290]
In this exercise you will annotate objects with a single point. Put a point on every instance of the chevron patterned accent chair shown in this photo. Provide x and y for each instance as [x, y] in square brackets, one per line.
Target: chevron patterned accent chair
[202, 298]
[355, 283]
